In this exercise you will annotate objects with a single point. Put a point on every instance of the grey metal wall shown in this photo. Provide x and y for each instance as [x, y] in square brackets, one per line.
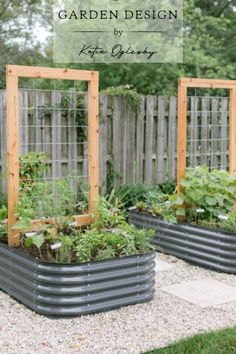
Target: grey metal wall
[70, 289]
[210, 248]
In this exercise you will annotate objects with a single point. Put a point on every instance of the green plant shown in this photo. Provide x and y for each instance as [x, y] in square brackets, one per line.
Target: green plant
[108, 215]
[128, 93]
[168, 187]
[124, 240]
[131, 194]
[229, 223]
[3, 232]
[108, 237]
[205, 198]
[3, 199]
[214, 192]
[3, 213]
[32, 167]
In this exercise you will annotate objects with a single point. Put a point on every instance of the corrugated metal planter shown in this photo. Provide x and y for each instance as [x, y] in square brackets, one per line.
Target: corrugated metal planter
[210, 248]
[76, 289]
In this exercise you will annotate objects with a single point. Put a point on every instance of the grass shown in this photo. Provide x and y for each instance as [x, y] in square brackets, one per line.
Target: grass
[220, 342]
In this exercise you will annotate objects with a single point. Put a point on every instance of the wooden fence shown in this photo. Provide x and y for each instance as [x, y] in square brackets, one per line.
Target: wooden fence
[134, 147]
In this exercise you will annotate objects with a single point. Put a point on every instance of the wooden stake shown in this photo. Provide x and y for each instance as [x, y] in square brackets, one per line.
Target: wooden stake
[12, 156]
[232, 132]
[182, 132]
[93, 147]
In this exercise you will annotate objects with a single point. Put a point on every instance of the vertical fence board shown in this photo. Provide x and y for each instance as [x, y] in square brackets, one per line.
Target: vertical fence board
[116, 142]
[56, 135]
[214, 133]
[160, 140]
[204, 130]
[172, 128]
[103, 141]
[193, 131]
[72, 132]
[149, 139]
[224, 133]
[130, 147]
[140, 141]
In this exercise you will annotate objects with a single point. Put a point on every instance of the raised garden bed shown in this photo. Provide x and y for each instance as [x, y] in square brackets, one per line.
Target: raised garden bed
[76, 289]
[214, 249]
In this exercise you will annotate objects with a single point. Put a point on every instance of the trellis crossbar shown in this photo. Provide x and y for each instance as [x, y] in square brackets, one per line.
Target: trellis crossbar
[183, 85]
[13, 73]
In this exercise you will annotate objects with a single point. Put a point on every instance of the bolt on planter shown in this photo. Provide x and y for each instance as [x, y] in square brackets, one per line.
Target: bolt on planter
[213, 249]
[76, 289]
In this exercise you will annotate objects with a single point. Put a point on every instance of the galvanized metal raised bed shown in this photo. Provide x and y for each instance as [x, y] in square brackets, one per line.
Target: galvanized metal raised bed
[76, 289]
[210, 248]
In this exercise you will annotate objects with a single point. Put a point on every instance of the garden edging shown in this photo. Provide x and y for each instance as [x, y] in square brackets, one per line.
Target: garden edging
[214, 249]
[76, 289]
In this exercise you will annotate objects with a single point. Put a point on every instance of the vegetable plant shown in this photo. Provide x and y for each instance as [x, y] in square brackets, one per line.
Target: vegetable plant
[108, 237]
[206, 198]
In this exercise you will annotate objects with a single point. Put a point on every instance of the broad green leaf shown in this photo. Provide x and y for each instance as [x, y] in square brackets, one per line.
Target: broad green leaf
[211, 201]
[38, 240]
[180, 212]
[28, 241]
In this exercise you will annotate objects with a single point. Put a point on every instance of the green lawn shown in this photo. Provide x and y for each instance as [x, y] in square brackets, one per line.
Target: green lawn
[221, 342]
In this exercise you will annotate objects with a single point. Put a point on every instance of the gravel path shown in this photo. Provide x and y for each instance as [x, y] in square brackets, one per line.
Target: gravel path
[130, 330]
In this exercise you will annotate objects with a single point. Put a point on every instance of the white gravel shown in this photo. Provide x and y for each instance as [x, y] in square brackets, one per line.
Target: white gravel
[129, 330]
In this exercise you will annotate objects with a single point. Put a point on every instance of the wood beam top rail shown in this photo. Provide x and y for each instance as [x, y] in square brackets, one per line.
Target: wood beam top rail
[51, 73]
[208, 83]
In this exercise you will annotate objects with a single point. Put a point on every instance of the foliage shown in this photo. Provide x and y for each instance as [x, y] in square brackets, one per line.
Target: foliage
[124, 240]
[209, 46]
[130, 194]
[18, 43]
[47, 199]
[214, 192]
[127, 93]
[219, 342]
[32, 167]
[108, 237]
[230, 223]
[3, 199]
[206, 198]
[3, 232]
[3, 213]
[168, 187]
[3, 222]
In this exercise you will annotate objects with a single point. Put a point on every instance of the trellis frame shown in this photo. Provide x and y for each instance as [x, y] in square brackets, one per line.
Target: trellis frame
[13, 73]
[183, 85]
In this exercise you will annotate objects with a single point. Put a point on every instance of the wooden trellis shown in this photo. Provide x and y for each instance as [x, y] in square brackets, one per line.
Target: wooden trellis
[184, 84]
[13, 73]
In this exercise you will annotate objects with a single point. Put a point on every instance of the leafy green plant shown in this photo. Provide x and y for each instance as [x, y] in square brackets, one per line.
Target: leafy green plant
[32, 167]
[3, 213]
[229, 223]
[131, 194]
[3, 231]
[124, 240]
[108, 237]
[205, 198]
[214, 192]
[128, 93]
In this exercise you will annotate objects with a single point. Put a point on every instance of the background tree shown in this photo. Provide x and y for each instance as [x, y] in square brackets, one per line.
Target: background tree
[209, 45]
